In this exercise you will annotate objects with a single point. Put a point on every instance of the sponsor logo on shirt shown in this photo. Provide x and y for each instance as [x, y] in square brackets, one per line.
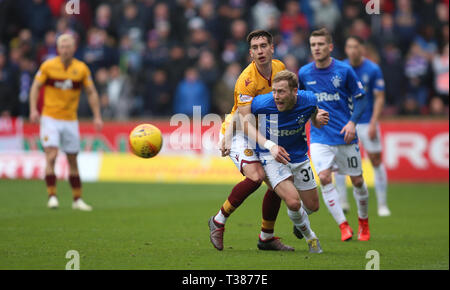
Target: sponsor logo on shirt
[64, 85]
[285, 133]
[325, 97]
[245, 98]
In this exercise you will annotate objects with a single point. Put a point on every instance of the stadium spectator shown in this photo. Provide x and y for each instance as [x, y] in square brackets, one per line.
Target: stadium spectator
[440, 66]
[130, 22]
[387, 31]
[104, 20]
[130, 53]
[361, 29]
[47, 49]
[208, 70]
[38, 17]
[406, 22]
[227, 11]
[239, 31]
[101, 83]
[297, 46]
[96, 53]
[208, 13]
[156, 53]
[222, 102]
[157, 95]
[191, 91]
[393, 70]
[292, 19]
[119, 102]
[326, 14]
[417, 72]
[27, 69]
[8, 100]
[291, 63]
[199, 40]
[263, 13]
[177, 64]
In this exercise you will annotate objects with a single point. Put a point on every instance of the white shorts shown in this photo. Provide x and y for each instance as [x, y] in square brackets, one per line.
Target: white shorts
[276, 172]
[241, 152]
[371, 146]
[345, 159]
[60, 133]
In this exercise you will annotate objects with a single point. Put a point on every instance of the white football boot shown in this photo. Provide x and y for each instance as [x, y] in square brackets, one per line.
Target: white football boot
[383, 210]
[52, 202]
[81, 205]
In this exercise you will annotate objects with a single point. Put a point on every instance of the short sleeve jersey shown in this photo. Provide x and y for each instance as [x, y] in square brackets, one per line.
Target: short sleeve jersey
[62, 87]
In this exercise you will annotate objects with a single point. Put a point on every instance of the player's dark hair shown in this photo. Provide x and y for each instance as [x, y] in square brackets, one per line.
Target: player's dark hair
[288, 76]
[357, 38]
[323, 32]
[259, 33]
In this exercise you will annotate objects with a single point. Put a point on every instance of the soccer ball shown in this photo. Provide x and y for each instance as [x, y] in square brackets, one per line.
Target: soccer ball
[145, 140]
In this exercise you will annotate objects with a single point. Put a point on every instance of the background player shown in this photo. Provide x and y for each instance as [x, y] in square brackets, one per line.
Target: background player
[293, 182]
[339, 92]
[368, 128]
[62, 77]
[254, 80]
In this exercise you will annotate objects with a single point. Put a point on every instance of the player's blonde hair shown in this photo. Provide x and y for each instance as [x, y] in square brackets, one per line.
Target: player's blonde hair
[65, 37]
[288, 76]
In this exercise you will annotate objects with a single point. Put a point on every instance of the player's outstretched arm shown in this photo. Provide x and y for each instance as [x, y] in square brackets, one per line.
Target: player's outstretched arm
[248, 123]
[94, 103]
[34, 94]
[320, 118]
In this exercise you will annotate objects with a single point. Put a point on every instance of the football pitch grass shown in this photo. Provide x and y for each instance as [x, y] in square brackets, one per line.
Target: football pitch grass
[164, 226]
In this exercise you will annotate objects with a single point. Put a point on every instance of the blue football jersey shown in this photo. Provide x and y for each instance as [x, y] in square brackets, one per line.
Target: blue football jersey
[335, 87]
[286, 128]
[372, 79]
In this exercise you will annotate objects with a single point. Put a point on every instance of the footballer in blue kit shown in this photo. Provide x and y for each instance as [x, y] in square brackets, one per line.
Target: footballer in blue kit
[282, 116]
[368, 129]
[335, 146]
[290, 129]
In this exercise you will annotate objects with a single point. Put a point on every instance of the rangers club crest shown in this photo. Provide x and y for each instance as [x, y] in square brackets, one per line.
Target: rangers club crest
[336, 80]
[300, 120]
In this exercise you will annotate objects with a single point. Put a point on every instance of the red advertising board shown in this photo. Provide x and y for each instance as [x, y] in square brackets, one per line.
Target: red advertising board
[416, 151]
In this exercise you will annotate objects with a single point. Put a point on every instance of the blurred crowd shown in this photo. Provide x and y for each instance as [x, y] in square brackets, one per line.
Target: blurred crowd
[152, 58]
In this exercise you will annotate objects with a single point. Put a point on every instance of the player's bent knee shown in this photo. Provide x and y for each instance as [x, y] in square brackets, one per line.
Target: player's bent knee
[357, 181]
[293, 204]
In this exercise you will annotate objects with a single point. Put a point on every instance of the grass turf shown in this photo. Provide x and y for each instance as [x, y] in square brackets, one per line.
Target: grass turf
[164, 226]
